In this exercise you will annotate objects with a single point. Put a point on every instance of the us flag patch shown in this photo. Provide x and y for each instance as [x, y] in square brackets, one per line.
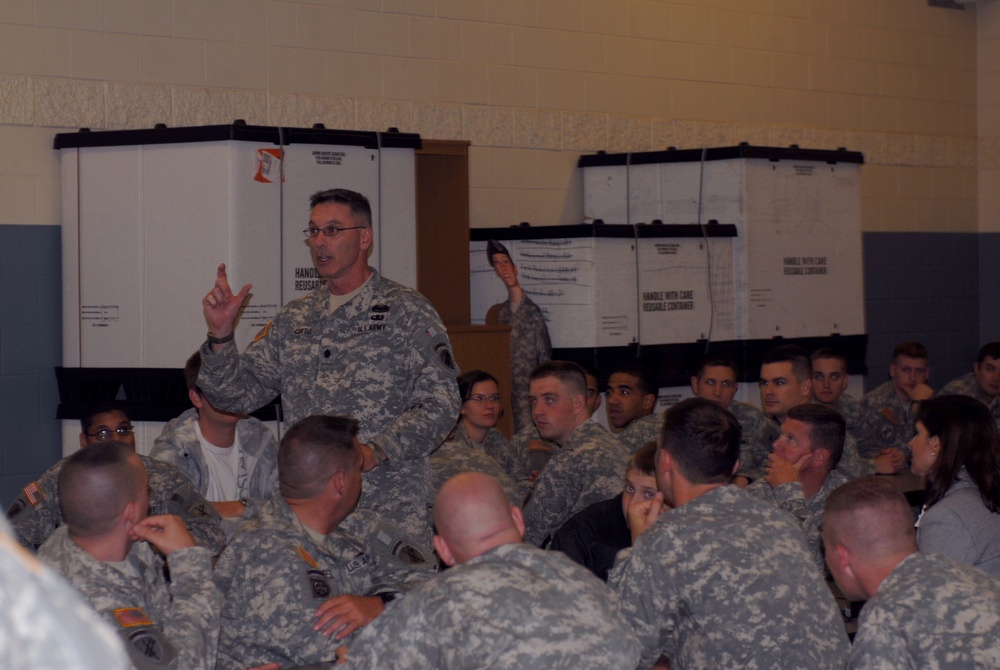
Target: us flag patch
[33, 494]
[128, 617]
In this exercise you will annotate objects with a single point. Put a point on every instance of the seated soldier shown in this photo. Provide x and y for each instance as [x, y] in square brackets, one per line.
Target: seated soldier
[890, 410]
[587, 466]
[800, 472]
[102, 550]
[35, 514]
[630, 399]
[475, 445]
[983, 383]
[830, 380]
[309, 569]
[594, 536]
[230, 458]
[530, 447]
[503, 604]
[922, 610]
[786, 382]
[722, 580]
[716, 381]
[62, 631]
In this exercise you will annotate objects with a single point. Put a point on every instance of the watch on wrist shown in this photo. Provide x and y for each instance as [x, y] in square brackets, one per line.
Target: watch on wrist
[212, 339]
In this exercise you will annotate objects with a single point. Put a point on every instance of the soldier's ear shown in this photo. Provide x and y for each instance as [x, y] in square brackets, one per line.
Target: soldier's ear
[649, 401]
[336, 483]
[444, 551]
[518, 517]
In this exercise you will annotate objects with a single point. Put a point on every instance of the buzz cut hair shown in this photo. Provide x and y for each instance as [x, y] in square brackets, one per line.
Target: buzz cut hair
[569, 373]
[794, 354]
[360, 208]
[95, 484]
[832, 353]
[702, 439]
[717, 362]
[911, 350]
[314, 450]
[645, 380]
[827, 428]
[990, 350]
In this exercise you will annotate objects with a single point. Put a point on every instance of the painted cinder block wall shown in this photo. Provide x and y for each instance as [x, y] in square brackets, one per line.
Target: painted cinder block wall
[532, 84]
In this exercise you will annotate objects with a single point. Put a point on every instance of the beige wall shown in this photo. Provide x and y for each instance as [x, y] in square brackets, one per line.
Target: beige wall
[988, 77]
[532, 83]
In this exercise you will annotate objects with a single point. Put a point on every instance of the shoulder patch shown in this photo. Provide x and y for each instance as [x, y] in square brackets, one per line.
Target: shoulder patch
[437, 347]
[263, 332]
[127, 617]
[33, 493]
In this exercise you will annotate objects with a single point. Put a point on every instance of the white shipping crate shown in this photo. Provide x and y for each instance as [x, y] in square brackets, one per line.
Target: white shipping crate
[685, 286]
[797, 259]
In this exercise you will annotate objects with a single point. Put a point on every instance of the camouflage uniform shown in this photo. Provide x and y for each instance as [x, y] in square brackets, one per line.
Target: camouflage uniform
[807, 511]
[44, 623]
[755, 440]
[644, 429]
[587, 469]
[849, 407]
[930, 612]
[459, 454]
[383, 358]
[532, 452]
[179, 445]
[163, 626]
[851, 465]
[274, 576]
[170, 492]
[726, 581]
[529, 346]
[967, 385]
[514, 606]
[891, 422]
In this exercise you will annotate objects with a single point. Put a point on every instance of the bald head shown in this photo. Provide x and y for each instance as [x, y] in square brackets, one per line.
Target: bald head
[96, 484]
[870, 517]
[472, 515]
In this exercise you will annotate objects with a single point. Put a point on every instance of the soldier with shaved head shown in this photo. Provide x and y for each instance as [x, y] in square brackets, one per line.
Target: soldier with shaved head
[105, 549]
[310, 569]
[922, 610]
[503, 603]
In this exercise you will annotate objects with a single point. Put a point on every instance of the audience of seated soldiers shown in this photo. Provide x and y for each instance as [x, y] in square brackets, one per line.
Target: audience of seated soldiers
[698, 572]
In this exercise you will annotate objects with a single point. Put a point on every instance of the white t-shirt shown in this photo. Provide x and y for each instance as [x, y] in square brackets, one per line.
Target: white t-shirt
[223, 468]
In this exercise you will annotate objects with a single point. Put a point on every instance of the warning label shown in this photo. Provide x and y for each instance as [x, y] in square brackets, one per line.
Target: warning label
[667, 301]
[328, 157]
[805, 265]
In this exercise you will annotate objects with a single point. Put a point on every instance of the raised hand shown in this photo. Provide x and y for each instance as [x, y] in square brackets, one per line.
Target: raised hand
[221, 306]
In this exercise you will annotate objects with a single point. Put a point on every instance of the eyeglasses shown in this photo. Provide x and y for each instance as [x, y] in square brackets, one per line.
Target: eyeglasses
[105, 434]
[482, 399]
[329, 231]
